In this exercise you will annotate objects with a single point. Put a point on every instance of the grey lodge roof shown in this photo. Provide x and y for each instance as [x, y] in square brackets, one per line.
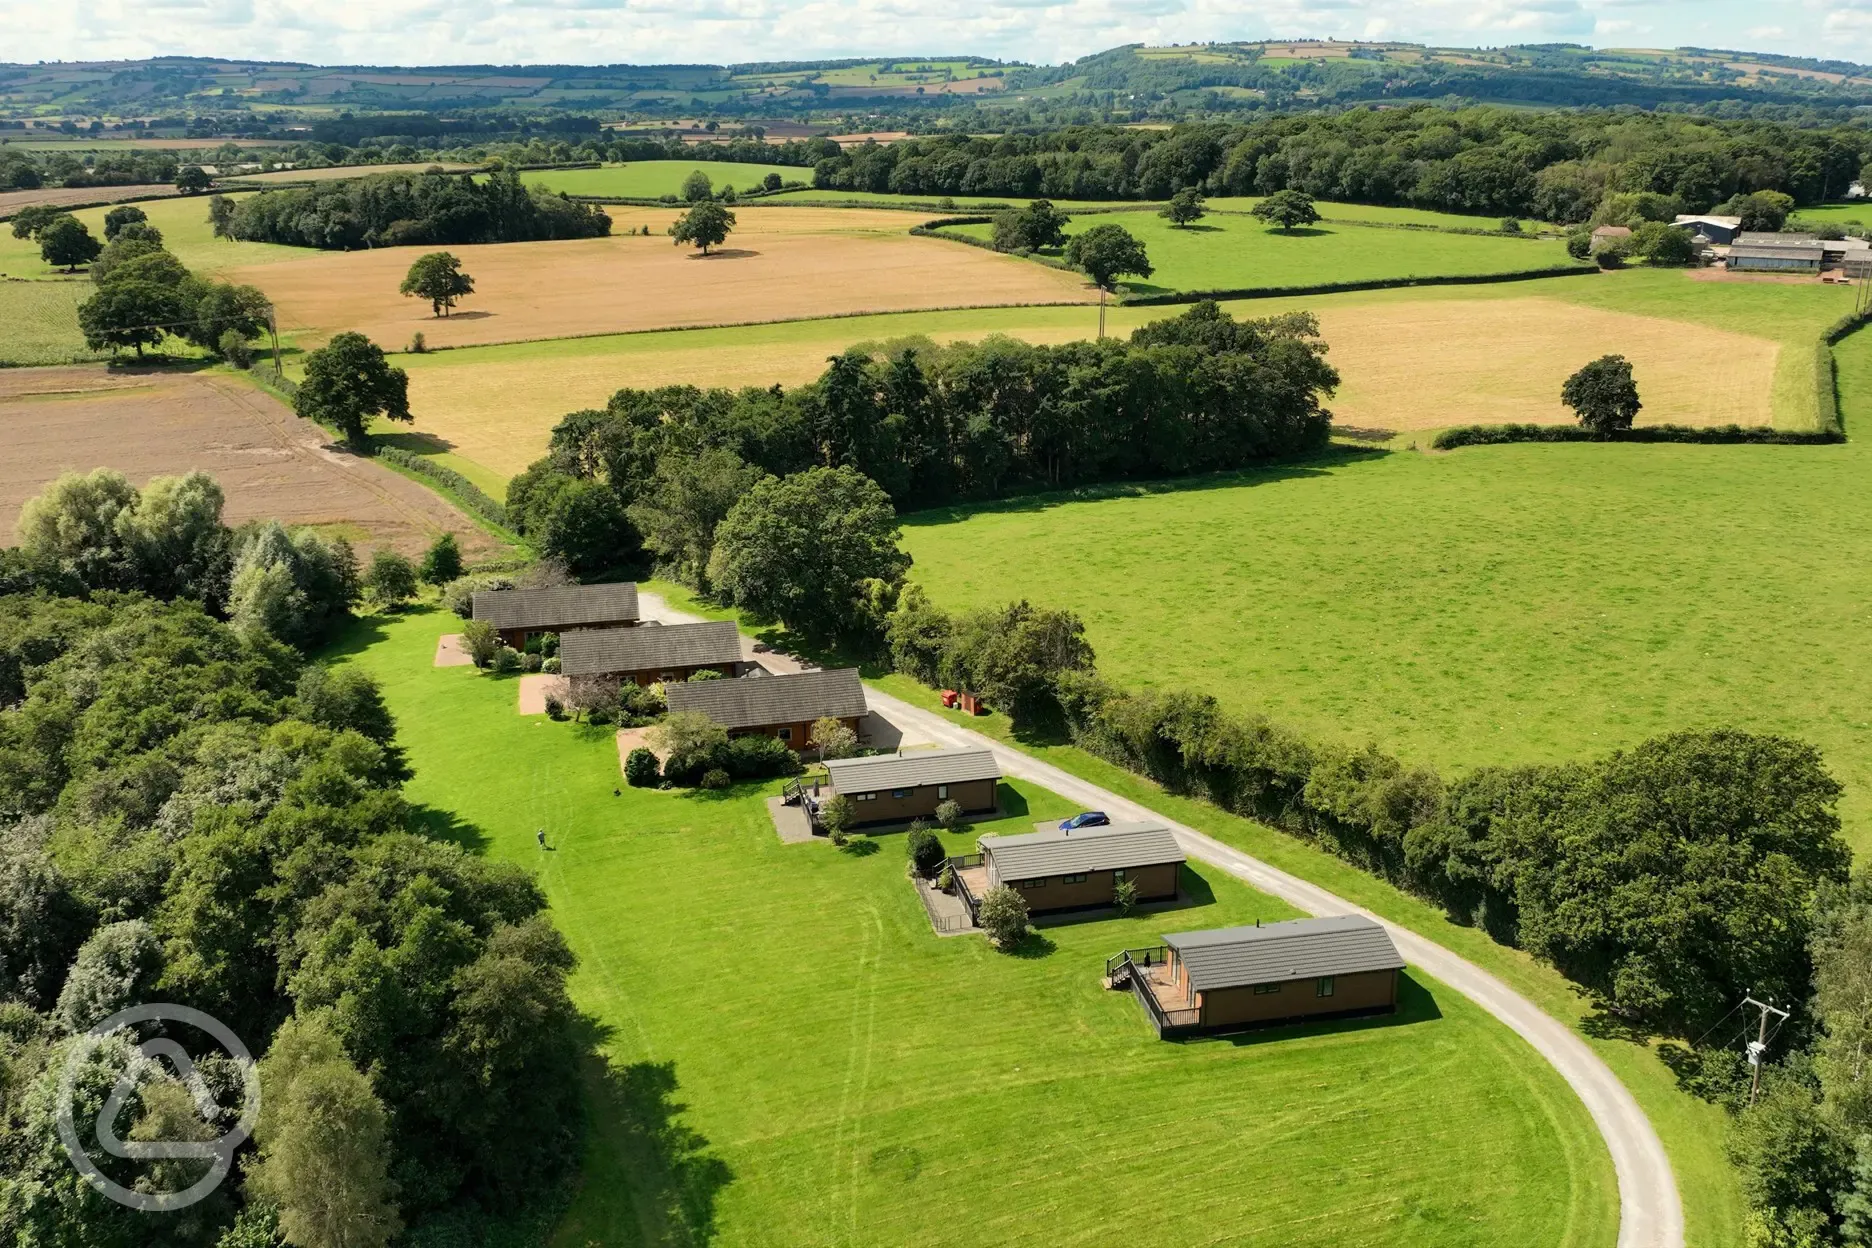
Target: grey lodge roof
[908, 771]
[1234, 957]
[562, 606]
[1037, 855]
[761, 701]
[602, 651]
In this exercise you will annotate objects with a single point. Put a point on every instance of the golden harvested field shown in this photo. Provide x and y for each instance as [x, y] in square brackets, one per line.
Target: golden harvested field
[335, 173]
[781, 264]
[64, 196]
[1407, 363]
[269, 462]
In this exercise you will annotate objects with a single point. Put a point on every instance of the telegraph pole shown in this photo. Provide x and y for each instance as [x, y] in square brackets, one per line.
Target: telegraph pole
[1758, 1047]
[273, 332]
[1101, 313]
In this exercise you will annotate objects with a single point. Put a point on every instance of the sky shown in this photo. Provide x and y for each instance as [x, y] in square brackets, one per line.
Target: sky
[446, 32]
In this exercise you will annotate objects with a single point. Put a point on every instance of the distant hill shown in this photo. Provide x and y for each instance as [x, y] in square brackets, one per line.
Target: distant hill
[1143, 82]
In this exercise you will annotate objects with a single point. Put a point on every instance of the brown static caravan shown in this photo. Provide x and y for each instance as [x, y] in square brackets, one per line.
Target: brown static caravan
[1078, 870]
[652, 654]
[776, 706]
[517, 614]
[896, 788]
[1239, 977]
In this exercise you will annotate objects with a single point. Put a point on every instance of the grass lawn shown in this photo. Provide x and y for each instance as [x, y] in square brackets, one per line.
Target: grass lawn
[650, 179]
[1228, 252]
[183, 221]
[794, 1058]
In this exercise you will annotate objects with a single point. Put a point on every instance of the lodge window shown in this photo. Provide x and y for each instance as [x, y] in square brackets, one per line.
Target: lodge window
[1072, 879]
[902, 792]
[1031, 884]
[1263, 989]
[942, 791]
[1323, 987]
[1118, 876]
[864, 797]
[786, 734]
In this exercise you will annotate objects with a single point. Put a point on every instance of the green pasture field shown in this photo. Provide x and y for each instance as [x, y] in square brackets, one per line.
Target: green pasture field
[183, 221]
[1487, 606]
[793, 1057]
[1859, 213]
[39, 323]
[652, 179]
[1225, 252]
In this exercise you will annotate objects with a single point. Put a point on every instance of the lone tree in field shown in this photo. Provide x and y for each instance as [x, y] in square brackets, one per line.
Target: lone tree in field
[65, 240]
[437, 277]
[1037, 225]
[706, 225]
[192, 180]
[1106, 252]
[347, 382]
[1287, 210]
[696, 188]
[1185, 206]
[1603, 395]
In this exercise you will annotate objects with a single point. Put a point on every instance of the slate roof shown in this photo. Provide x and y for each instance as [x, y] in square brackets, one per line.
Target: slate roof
[913, 769]
[1040, 854]
[761, 701]
[562, 606]
[1769, 238]
[1235, 957]
[603, 651]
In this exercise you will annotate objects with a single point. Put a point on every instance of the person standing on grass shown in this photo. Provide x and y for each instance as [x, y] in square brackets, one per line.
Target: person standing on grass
[542, 837]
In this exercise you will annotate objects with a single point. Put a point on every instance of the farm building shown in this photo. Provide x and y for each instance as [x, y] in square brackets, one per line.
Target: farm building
[1078, 870]
[653, 654]
[1721, 230]
[776, 706]
[893, 788]
[517, 614]
[1606, 235]
[1760, 252]
[1237, 977]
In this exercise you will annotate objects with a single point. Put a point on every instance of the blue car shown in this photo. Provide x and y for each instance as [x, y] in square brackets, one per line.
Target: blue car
[1085, 819]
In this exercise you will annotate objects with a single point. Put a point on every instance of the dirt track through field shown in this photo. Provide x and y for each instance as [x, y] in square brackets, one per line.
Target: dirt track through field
[1421, 364]
[270, 463]
[780, 264]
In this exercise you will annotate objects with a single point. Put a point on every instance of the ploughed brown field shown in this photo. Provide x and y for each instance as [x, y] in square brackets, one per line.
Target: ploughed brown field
[65, 196]
[780, 264]
[270, 463]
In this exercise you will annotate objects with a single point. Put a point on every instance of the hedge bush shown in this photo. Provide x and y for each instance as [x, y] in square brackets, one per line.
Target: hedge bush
[466, 492]
[1714, 435]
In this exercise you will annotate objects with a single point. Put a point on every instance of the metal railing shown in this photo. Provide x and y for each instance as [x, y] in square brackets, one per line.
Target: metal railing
[1167, 1022]
[963, 892]
[1155, 955]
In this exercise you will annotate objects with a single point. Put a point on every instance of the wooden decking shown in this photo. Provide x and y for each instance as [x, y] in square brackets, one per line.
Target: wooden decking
[976, 878]
[1170, 996]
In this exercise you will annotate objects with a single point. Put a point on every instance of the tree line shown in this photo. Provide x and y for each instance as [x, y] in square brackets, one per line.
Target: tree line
[1199, 392]
[191, 812]
[395, 209]
[1556, 166]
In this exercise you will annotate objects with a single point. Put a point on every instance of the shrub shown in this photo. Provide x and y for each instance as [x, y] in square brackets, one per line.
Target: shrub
[599, 715]
[1125, 896]
[642, 705]
[641, 769]
[549, 644]
[757, 758]
[417, 344]
[706, 673]
[555, 709]
[391, 579]
[949, 814]
[235, 349]
[835, 815]
[458, 594]
[945, 879]
[530, 662]
[715, 778]
[925, 849]
[1579, 244]
[481, 642]
[550, 666]
[506, 659]
[833, 738]
[1003, 916]
[691, 743]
